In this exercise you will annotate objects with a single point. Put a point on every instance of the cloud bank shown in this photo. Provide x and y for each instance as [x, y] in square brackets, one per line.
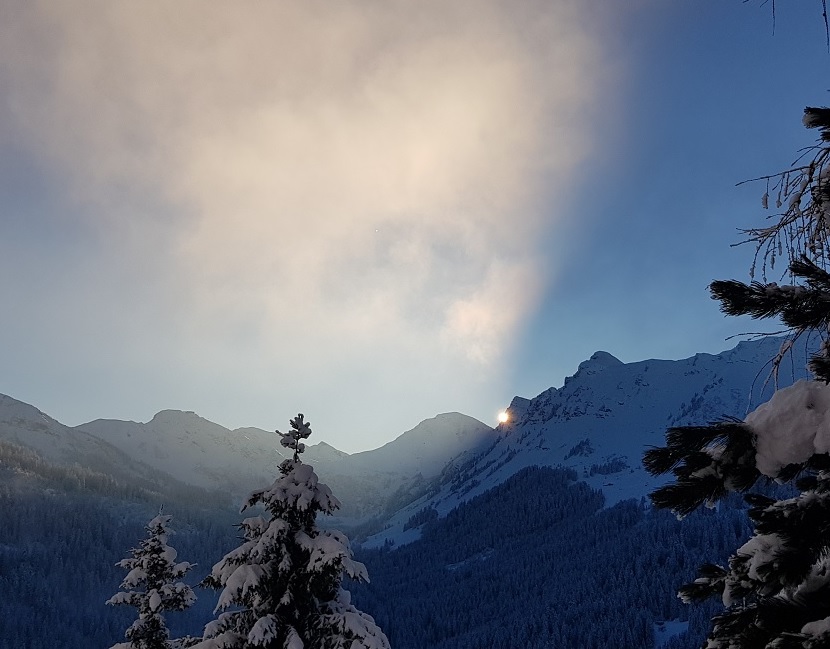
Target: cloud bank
[334, 207]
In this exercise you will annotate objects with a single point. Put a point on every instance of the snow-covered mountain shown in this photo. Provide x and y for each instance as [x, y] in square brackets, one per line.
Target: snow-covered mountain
[27, 426]
[195, 450]
[192, 450]
[202, 453]
[428, 447]
[23, 425]
[376, 483]
[598, 422]
[604, 417]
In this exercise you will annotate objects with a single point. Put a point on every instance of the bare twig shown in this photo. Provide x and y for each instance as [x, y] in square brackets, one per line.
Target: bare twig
[826, 25]
[803, 226]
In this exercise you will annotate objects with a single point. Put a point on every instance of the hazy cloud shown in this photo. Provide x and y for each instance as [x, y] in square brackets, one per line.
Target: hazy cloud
[336, 198]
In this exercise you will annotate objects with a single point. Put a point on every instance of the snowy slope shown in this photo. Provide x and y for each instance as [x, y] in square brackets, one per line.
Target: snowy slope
[377, 483]
[604, 417]
[202, 453]
[428, 447]
[195, 450]
[26, 426]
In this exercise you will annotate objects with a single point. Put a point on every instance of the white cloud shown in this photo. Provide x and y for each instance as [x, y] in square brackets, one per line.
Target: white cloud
[327, 190]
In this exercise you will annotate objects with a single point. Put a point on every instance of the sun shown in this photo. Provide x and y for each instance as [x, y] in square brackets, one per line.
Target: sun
[503, 417]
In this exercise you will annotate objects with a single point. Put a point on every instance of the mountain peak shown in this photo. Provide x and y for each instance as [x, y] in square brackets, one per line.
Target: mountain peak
[324, 450]
[517, 408]
[426, 448]
[599, 360]
[170, 416]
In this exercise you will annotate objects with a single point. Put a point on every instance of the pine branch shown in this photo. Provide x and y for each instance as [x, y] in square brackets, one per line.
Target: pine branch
[818, 118]
[707, 461]
[819, 365]
[710, 582]
[756, 299]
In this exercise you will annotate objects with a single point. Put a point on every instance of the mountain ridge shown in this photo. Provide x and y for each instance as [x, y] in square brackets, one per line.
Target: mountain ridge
[604, 416]
[191, 449]
[598, 423]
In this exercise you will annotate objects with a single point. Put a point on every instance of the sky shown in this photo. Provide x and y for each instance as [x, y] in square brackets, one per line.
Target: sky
[374, 212]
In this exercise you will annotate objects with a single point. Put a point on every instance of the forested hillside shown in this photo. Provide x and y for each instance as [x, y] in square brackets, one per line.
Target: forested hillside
[58, 552]
[538, 562]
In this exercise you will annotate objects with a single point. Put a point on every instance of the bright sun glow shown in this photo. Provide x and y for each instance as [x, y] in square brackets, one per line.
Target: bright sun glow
[503, 416]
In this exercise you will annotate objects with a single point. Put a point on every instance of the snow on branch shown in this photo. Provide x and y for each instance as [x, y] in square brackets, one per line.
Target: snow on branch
[791, 427]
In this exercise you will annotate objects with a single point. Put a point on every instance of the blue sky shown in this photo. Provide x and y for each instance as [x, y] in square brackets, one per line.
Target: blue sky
[377, 212]
[712, 98]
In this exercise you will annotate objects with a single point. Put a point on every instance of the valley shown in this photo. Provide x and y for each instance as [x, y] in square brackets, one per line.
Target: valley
[461, 526]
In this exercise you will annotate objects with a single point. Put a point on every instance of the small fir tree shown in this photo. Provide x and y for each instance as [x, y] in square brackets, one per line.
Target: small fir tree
[152, 587]
[776, 587]
[283, 583]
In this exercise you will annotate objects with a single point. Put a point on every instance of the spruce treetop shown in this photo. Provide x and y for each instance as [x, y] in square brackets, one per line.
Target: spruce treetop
[300, 430]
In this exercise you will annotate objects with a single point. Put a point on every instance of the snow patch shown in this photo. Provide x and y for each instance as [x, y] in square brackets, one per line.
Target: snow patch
[665, 631]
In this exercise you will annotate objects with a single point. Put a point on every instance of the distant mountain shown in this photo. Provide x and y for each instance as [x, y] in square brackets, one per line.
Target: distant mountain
[185, 448]
[200, 452]
[195, 450]
[429, 446]
[604, 417]
[48, 445]
[374, 484]
[27, 426]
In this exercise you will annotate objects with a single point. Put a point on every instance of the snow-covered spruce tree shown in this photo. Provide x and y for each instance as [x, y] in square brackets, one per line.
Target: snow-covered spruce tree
[152, 586]
[283, 583]
[776, 587]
